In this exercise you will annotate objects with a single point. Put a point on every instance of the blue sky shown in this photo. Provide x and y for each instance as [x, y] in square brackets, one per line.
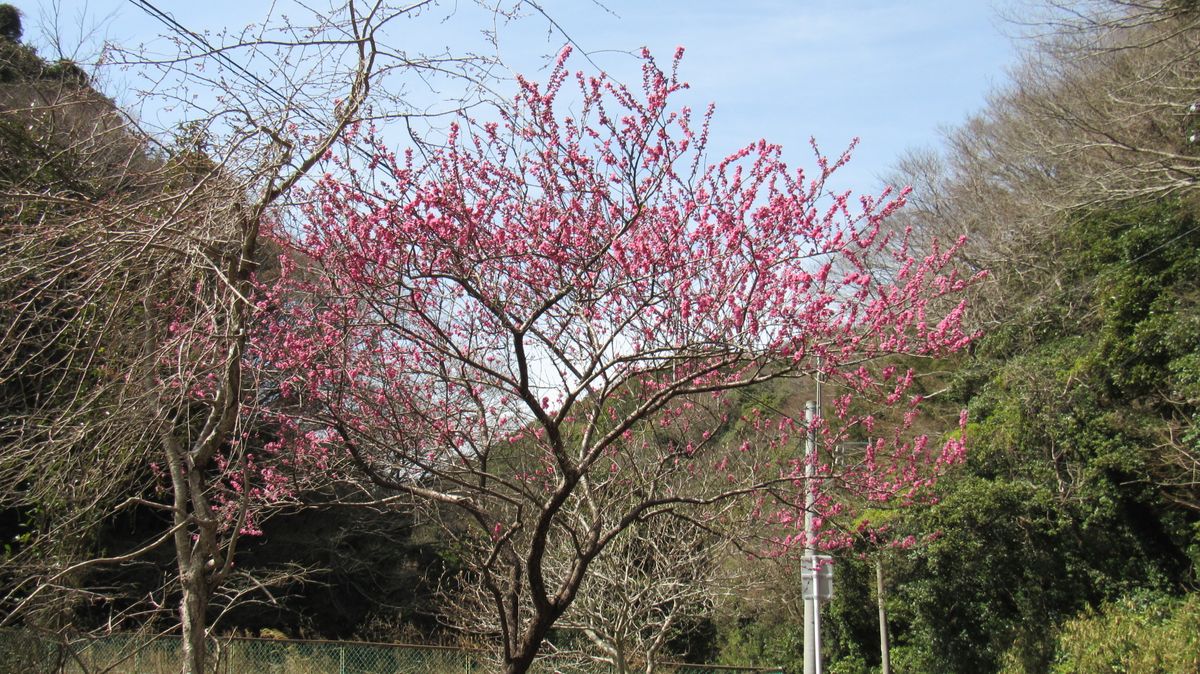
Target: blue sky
[888, 72]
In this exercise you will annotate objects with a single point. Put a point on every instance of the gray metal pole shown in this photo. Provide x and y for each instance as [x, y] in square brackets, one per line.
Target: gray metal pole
[812, 643]
[817, 627]
[810, 548]
[884, 647]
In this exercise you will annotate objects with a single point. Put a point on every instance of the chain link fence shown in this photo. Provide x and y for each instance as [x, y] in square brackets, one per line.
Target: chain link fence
[27, 653]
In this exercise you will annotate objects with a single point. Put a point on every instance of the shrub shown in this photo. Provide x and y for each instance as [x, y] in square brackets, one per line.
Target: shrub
[1147, 635]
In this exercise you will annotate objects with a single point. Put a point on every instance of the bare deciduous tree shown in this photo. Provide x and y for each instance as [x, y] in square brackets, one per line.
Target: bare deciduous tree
[660, 579]
[1103, 110]
[128, 290]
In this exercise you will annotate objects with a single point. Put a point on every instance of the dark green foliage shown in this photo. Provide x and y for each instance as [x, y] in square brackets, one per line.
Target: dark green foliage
[358, 573]
[1069, 497]
[695, 641]
[850, 625]
[66, 71]
[1084, 409]
[1185, 7]
[10, 23]
[369, 566]
[21, 63]
[1012, 561]
[765, 641]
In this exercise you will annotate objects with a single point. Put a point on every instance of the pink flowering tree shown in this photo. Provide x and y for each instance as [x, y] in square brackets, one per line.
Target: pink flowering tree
[544, 325]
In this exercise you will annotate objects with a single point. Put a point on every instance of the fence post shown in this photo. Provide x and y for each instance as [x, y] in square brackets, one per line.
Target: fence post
[342, 659]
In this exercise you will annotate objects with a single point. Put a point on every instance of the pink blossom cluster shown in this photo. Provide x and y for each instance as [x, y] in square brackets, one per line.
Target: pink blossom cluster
[574, 289]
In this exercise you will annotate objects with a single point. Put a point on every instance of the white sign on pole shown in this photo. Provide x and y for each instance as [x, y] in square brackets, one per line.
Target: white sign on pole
[819, 584]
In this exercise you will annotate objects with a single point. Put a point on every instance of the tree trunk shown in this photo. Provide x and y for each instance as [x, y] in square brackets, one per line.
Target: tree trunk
[190, 558]
[529, 644]
[520, 662]
[193, 612]
[620, 660]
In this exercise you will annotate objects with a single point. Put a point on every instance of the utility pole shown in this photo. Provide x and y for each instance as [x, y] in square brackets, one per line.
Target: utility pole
[807, 575]
[816, 572]
[884, 647]
[816, 575]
